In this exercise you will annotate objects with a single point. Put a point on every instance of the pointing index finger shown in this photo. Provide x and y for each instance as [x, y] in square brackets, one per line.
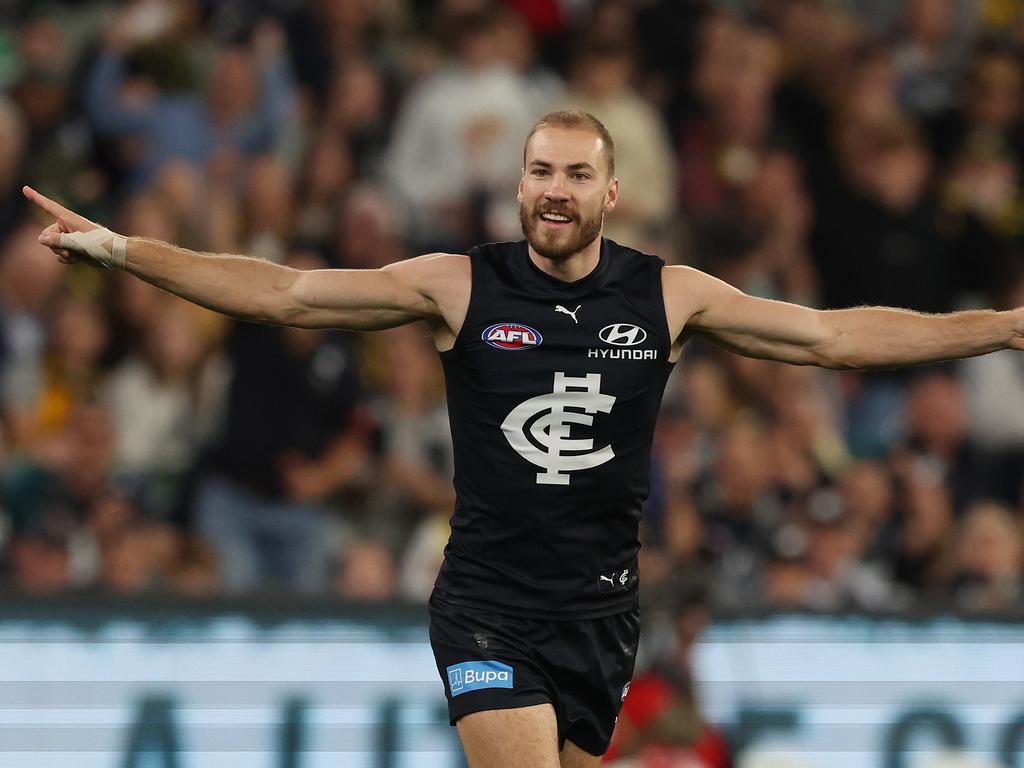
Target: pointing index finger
[50, 206]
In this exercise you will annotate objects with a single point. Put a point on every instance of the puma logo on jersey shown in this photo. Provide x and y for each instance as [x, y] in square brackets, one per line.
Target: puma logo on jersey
[618, 582]
[564, 311]
[539, 429]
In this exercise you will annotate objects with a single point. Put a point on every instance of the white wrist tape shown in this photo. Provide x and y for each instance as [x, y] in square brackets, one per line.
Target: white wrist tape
[93, 244]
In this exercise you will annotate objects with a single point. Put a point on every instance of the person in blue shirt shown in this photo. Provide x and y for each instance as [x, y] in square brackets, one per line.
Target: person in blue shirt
[243, 110]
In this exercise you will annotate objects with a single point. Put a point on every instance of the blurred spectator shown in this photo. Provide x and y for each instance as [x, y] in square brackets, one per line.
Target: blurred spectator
[39, 564]
[326, 37]
[786, 577]
[371, 228]
[775, 213]
[269, 206]
[980, 144]
[937, 439]
[923, 560]
[602, 85]
[367, 572]
[826, 48]
[327, 176]
[166, 404]
[706, 393]
[413, 473]
[805, 433]
[738, 506]
[67, 375]
[720, 149]
[64, 510]
[928, 56]
[991, 104]
[29, 281]
[880, 243]
[246, 106]
[59, 140]
[868, 498]
[982, 195]
[988, 573]
[840, 576]
[458, 142]
[422, 556]
[290, 440]
[519, 48]
[357, 113]
[137, 558]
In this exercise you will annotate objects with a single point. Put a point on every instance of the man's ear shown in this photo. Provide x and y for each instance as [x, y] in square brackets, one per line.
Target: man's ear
[519, 192]
[611, 197]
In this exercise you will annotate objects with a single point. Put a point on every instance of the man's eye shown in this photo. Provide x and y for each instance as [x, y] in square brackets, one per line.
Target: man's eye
[540, 172]
[580, 176]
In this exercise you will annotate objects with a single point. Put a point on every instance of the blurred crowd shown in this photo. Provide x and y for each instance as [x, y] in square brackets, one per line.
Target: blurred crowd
[833, 153]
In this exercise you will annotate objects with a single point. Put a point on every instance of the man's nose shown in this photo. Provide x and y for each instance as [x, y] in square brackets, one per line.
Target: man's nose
[556, 189]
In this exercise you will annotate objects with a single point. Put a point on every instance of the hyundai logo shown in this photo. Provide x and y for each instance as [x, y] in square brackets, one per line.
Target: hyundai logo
[623, 334]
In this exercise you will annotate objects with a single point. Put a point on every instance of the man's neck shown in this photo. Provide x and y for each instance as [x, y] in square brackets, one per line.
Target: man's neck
[575, 267]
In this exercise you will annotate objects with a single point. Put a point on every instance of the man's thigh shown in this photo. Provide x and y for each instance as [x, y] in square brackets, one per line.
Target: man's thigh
[512, 738]
[572, 756]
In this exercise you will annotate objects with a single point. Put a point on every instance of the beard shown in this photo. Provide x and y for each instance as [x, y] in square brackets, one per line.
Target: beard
[559, 245]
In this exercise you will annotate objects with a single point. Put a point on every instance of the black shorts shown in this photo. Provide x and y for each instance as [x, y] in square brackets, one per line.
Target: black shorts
[582, 667]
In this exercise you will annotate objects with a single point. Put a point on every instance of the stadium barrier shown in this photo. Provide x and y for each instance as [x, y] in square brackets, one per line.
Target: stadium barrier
[89, 682]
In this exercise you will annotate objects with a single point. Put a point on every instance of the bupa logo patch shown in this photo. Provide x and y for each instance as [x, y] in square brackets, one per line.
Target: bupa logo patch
[514, 336]
[623, 334]
[473, 675]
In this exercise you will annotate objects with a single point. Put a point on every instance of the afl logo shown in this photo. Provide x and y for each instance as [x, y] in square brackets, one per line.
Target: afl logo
[514, 336]
[623, 334]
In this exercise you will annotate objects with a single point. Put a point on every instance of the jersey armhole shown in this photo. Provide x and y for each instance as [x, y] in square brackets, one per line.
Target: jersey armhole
[474, 255]
[659, 304]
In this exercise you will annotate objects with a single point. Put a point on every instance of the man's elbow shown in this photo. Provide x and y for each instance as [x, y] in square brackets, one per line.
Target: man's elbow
[282, 302]
[834, 350]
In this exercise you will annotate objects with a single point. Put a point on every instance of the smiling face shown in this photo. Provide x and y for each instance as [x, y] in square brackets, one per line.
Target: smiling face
[565, 191]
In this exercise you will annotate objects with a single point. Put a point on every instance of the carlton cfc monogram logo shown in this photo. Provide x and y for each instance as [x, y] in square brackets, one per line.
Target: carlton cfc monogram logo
[546, 442]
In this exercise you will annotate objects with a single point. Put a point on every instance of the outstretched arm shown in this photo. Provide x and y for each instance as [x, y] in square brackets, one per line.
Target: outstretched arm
[860, 338]
[252, 289]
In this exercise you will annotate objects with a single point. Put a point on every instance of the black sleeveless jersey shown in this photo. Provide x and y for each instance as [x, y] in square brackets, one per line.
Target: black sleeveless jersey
[553, 391]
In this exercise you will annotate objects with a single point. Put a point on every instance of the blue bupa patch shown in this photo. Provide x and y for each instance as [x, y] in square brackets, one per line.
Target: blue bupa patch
[474, 675]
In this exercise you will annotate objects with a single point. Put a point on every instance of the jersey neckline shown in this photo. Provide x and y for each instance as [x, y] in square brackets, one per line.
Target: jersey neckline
[564, 286]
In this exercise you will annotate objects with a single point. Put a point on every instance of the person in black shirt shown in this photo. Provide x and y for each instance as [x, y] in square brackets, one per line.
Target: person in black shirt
[555, 351]
[289, 441]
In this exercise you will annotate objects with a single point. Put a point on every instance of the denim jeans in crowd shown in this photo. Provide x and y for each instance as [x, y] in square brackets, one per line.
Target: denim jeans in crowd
[264, 544]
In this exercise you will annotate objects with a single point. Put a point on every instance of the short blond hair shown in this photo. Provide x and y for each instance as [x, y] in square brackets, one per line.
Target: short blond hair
[577, 119]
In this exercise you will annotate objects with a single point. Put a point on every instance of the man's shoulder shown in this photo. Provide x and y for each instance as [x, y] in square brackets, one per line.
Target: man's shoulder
[436, 275]
[685, 277]
[430, 264]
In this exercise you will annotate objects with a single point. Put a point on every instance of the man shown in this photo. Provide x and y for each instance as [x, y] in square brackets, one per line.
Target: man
[555, 352]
